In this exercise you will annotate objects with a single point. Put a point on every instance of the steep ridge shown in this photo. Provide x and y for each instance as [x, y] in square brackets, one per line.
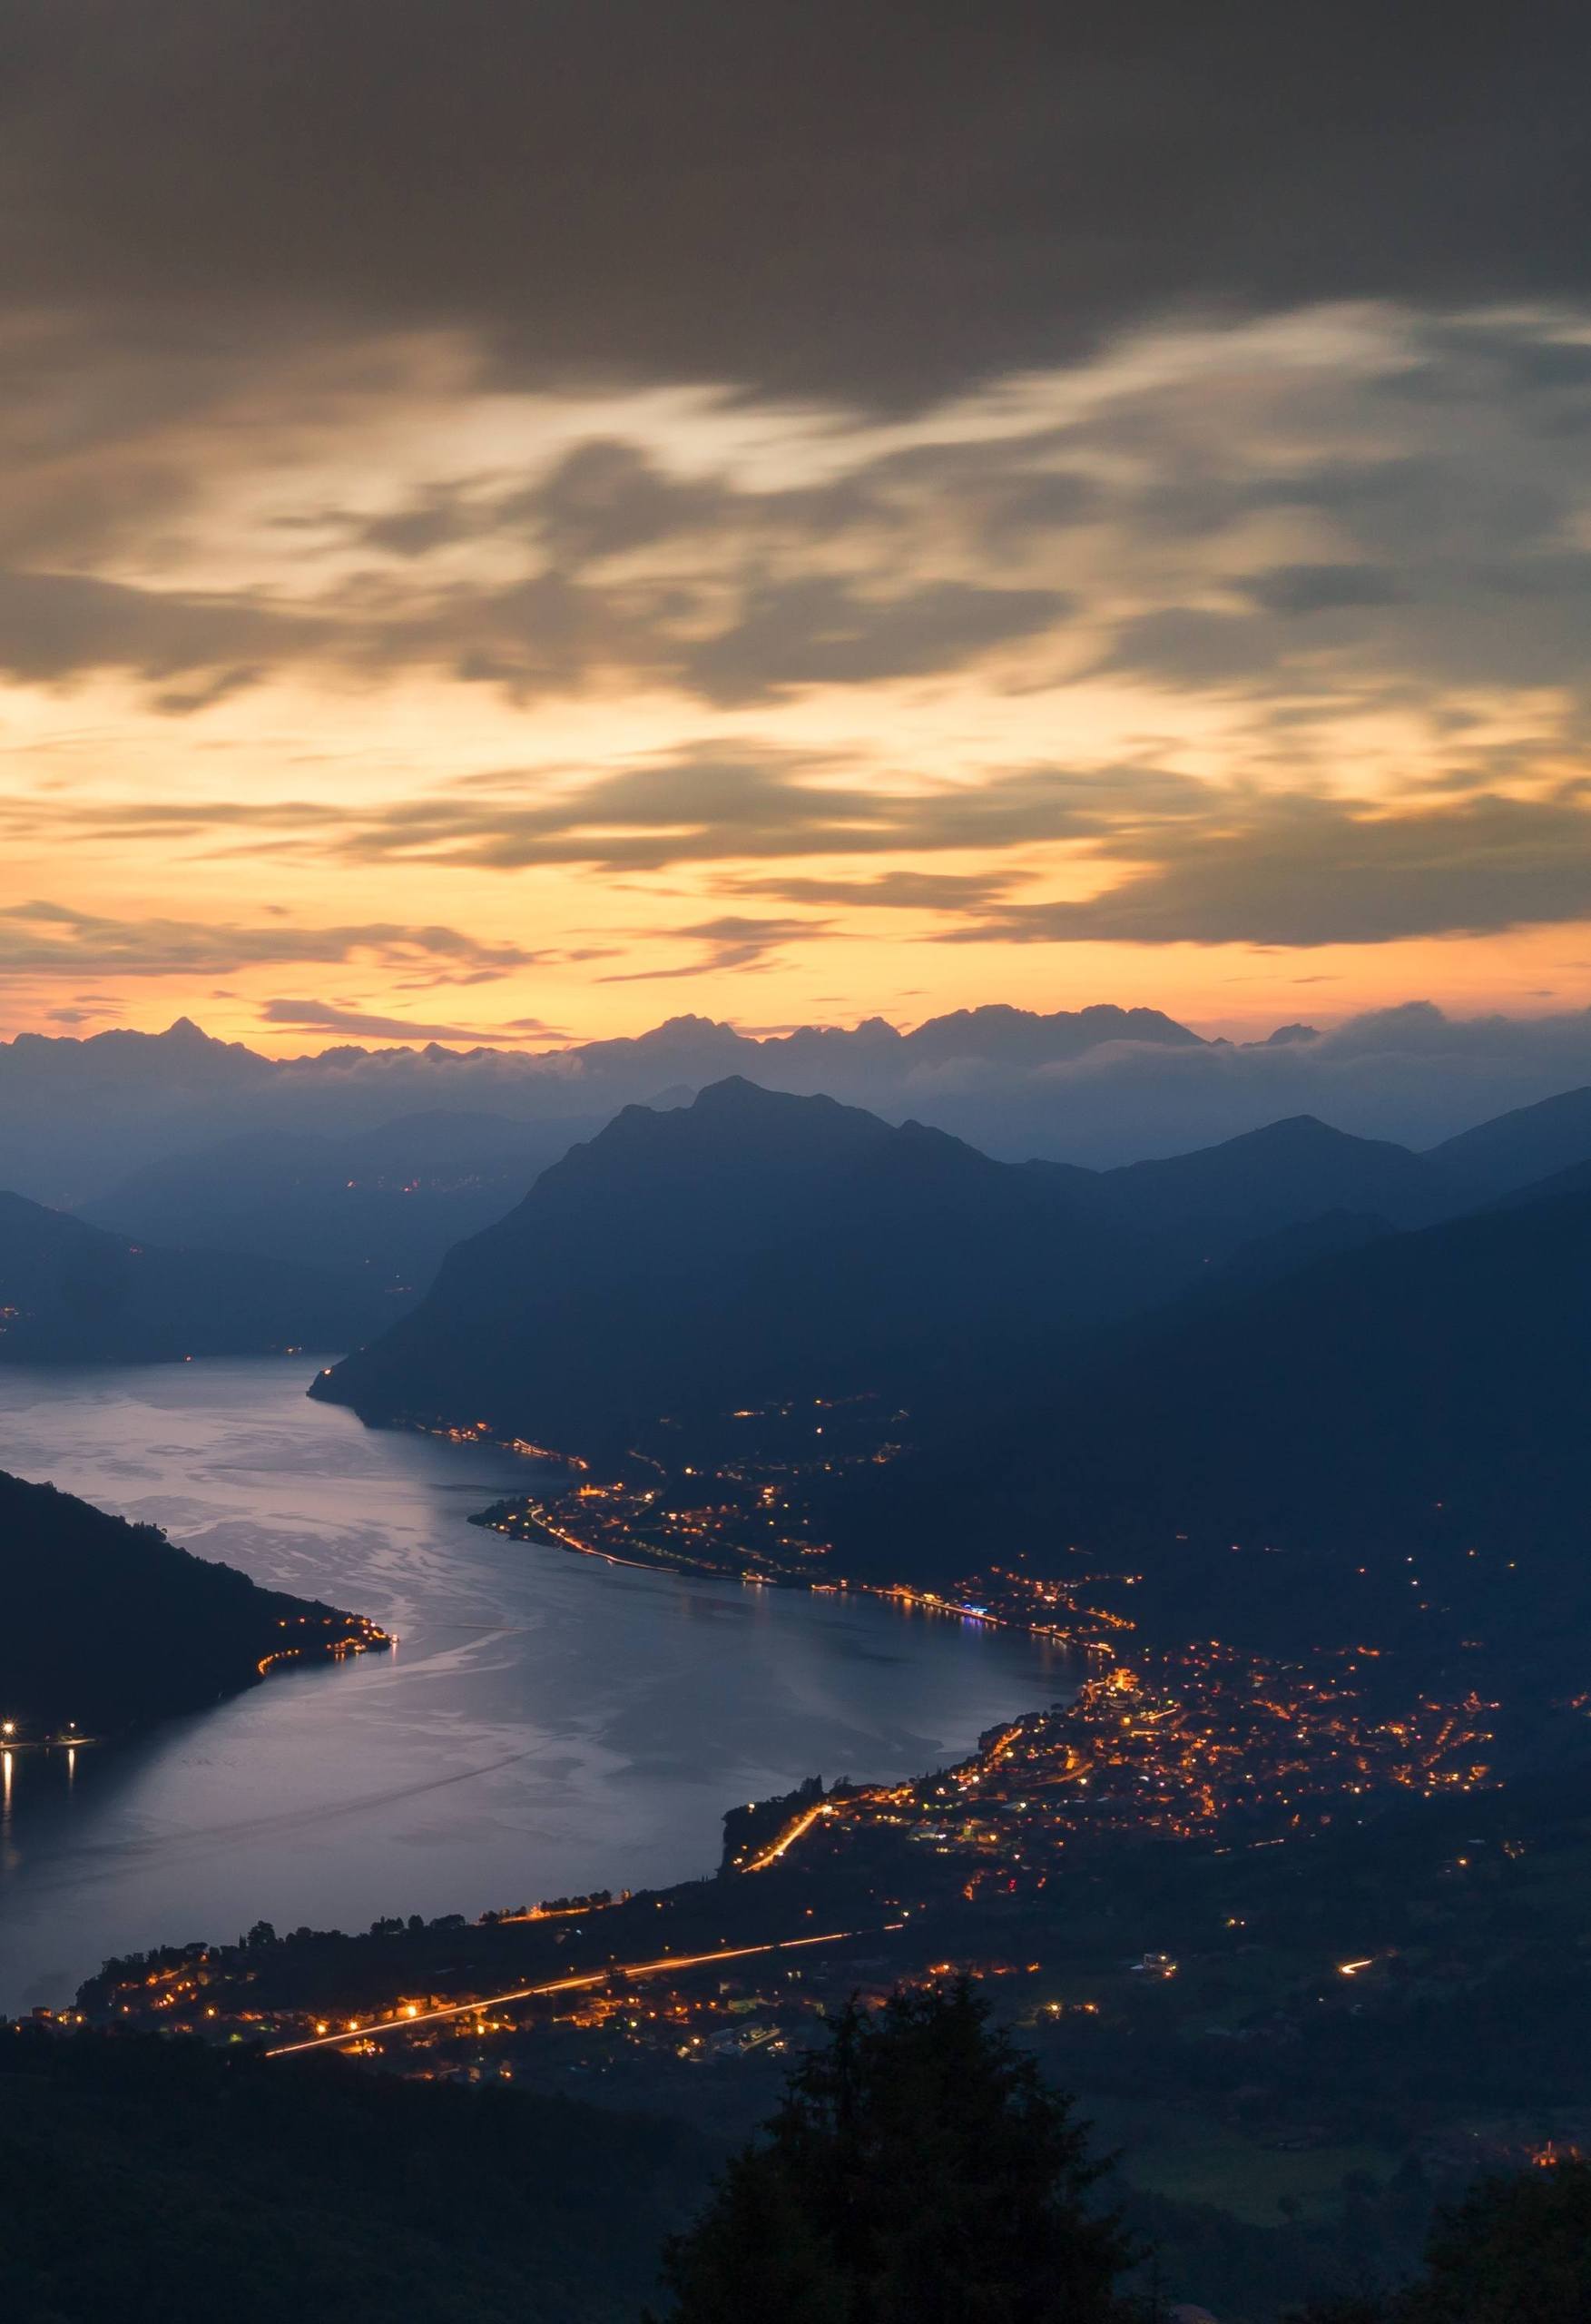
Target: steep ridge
[755, 1245]
[1515, 1149]
[1275, 1177]
[751, 1244]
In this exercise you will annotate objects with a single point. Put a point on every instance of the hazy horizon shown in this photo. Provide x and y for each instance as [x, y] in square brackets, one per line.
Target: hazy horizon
[1284, 1015]
[79, 1115]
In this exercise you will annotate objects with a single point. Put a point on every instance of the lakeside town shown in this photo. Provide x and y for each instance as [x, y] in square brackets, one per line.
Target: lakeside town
[752, 1511]
[1183, 1864]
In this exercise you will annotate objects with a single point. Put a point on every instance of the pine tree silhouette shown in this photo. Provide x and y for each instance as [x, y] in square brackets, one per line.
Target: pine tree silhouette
[918, 2171]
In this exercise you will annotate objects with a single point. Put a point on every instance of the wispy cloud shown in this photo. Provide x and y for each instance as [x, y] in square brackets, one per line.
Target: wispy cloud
[1162, 857]
[729, 943]
[358, 1024]
[55, 939]
[1261, 633]
[1299, 871]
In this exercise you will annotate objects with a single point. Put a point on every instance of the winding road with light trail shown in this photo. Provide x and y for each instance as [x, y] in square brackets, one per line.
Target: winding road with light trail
[378, 2028]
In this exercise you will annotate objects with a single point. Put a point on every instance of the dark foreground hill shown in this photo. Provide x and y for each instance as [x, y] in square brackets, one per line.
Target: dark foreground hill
[750, 1246]
[108, 1624]
[144, 2180]
[71, 1293]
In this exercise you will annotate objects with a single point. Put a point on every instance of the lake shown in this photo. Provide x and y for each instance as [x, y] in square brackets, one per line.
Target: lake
[548, 1725]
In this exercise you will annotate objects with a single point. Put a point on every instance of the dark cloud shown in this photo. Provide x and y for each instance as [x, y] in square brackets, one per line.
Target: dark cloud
[329, 1017]
[1295, 871]
[1474, 361]
[730, 942]
[921, 891]
[551, 634]
[607, 497]
[1186, 860]
[874, 202]
[545, 635]
[1400, 546]
[438, 518]
[1321, 588]
[37, 815]
[54, 939]
[722, 803]
[817, 631]
[1479, 498]
[1190, 646]
[56, 625]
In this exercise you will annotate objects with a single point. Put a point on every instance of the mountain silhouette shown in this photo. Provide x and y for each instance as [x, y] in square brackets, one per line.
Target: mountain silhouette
[78, 1114]
[71, 1293]
[755, 1245]
[750, 1245]
[1284, 1171]
[1267, 1180]
[1099, 1086]
[1300, 1453]
[1519, 1149]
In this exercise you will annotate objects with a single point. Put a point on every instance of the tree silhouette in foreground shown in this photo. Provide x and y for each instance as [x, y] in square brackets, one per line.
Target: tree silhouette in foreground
[1516, 2250]
[917, 2172]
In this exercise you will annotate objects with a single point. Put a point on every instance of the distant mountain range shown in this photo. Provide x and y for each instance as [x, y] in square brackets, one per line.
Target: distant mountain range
[77, 1115]
[71, 1293]
[81, 1119]
[109, 1624]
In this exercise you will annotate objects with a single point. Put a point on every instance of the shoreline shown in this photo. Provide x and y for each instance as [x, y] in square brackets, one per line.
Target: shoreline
[527, 1521]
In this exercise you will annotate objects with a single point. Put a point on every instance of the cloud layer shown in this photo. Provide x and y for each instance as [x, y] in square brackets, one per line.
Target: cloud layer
[855, 202]
[57, 939]
[892, 505]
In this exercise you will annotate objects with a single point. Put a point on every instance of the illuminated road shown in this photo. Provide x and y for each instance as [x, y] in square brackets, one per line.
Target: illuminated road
[355, 2031]
[789, 1836]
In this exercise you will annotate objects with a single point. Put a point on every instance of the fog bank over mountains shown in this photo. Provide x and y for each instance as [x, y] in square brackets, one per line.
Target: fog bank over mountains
[1098, 1085]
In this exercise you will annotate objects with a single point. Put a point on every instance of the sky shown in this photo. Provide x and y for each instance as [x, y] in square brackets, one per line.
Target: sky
[519, 520]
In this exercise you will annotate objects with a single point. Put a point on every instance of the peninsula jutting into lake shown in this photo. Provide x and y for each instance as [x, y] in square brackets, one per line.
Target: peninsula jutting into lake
[110, 1626]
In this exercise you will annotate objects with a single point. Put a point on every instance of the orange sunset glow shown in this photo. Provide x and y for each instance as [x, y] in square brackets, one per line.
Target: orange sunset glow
[368, 698]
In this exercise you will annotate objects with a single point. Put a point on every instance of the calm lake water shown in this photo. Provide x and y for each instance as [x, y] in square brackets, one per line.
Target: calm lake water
[549, 1724]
